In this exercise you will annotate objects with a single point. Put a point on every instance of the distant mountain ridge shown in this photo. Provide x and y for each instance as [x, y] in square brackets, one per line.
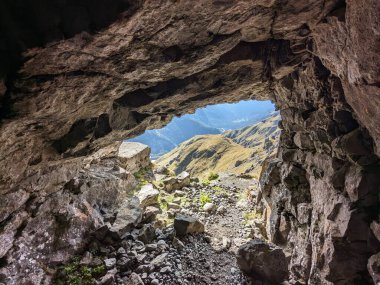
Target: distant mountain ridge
[239, 151]
[209, 120]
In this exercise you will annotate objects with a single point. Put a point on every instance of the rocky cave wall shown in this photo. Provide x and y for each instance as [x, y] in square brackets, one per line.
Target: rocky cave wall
[71, 100]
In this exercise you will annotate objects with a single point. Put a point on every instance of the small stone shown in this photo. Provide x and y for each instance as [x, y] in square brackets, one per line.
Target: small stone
[110, 263]
[173, 206]
[159, 260]
[144, 268]
[179, 193]
[151, 247]
[221, 210]
[107, 279]
[178, 244]
[177, 200]
[134, 279]
[209, 207]
[87, 258]
[161, 244]
[147, 233]
[121, 251]
[165, 270]
[226, 242]
[155, 282]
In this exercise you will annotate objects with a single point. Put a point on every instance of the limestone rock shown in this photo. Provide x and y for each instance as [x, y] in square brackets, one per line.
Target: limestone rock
[177, 182]
[147, 195]
[186, 225]
[209, 207]
[263, 261]
[133, 156]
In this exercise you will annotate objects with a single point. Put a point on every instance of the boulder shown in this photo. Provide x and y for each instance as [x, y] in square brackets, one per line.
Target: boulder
[129, 215]
[177, 182]
[147, 195]
[186, 225]
[133, 156]
[263, 261]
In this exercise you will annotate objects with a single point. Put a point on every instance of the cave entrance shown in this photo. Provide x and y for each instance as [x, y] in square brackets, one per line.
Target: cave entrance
[204, 173]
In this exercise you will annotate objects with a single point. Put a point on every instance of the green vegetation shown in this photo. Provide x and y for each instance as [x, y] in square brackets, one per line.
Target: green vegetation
[213, 176]
[250, 216]
[73, 273]
[205, 182]
[238, 151]
[204, 198]
[217, 189]
[143, 176]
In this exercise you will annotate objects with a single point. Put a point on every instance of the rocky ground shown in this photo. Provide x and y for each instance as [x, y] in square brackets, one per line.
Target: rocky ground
[189, 233]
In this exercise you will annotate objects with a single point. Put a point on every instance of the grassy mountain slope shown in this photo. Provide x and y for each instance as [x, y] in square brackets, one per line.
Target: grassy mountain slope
[238, 151]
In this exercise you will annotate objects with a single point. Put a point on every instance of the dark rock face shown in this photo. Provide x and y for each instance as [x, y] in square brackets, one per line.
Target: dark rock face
[263, 261]
[318, 60]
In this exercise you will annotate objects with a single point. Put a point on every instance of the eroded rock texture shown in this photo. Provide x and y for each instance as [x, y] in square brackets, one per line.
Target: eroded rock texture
[318, 60]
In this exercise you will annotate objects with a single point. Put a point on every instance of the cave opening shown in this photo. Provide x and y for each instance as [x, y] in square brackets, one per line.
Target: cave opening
[205, 166]
[78, 205]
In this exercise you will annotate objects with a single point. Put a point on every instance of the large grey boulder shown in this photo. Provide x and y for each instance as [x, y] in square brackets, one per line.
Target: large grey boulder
[147, 195]
[186, 225]
[133, 156]
[263, 261]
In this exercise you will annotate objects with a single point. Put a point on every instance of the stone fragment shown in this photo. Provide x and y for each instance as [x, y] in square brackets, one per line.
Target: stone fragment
[209, 207]
[177, 182]
[110, 263]
[159, 260]
[108, 279]
[133, 156]
[221, 210]
[147, 195]
[263, 261]
[185, 225]
[173, 206]
[134, 279]
[147, 233]
[129, 216]
[178, 244]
